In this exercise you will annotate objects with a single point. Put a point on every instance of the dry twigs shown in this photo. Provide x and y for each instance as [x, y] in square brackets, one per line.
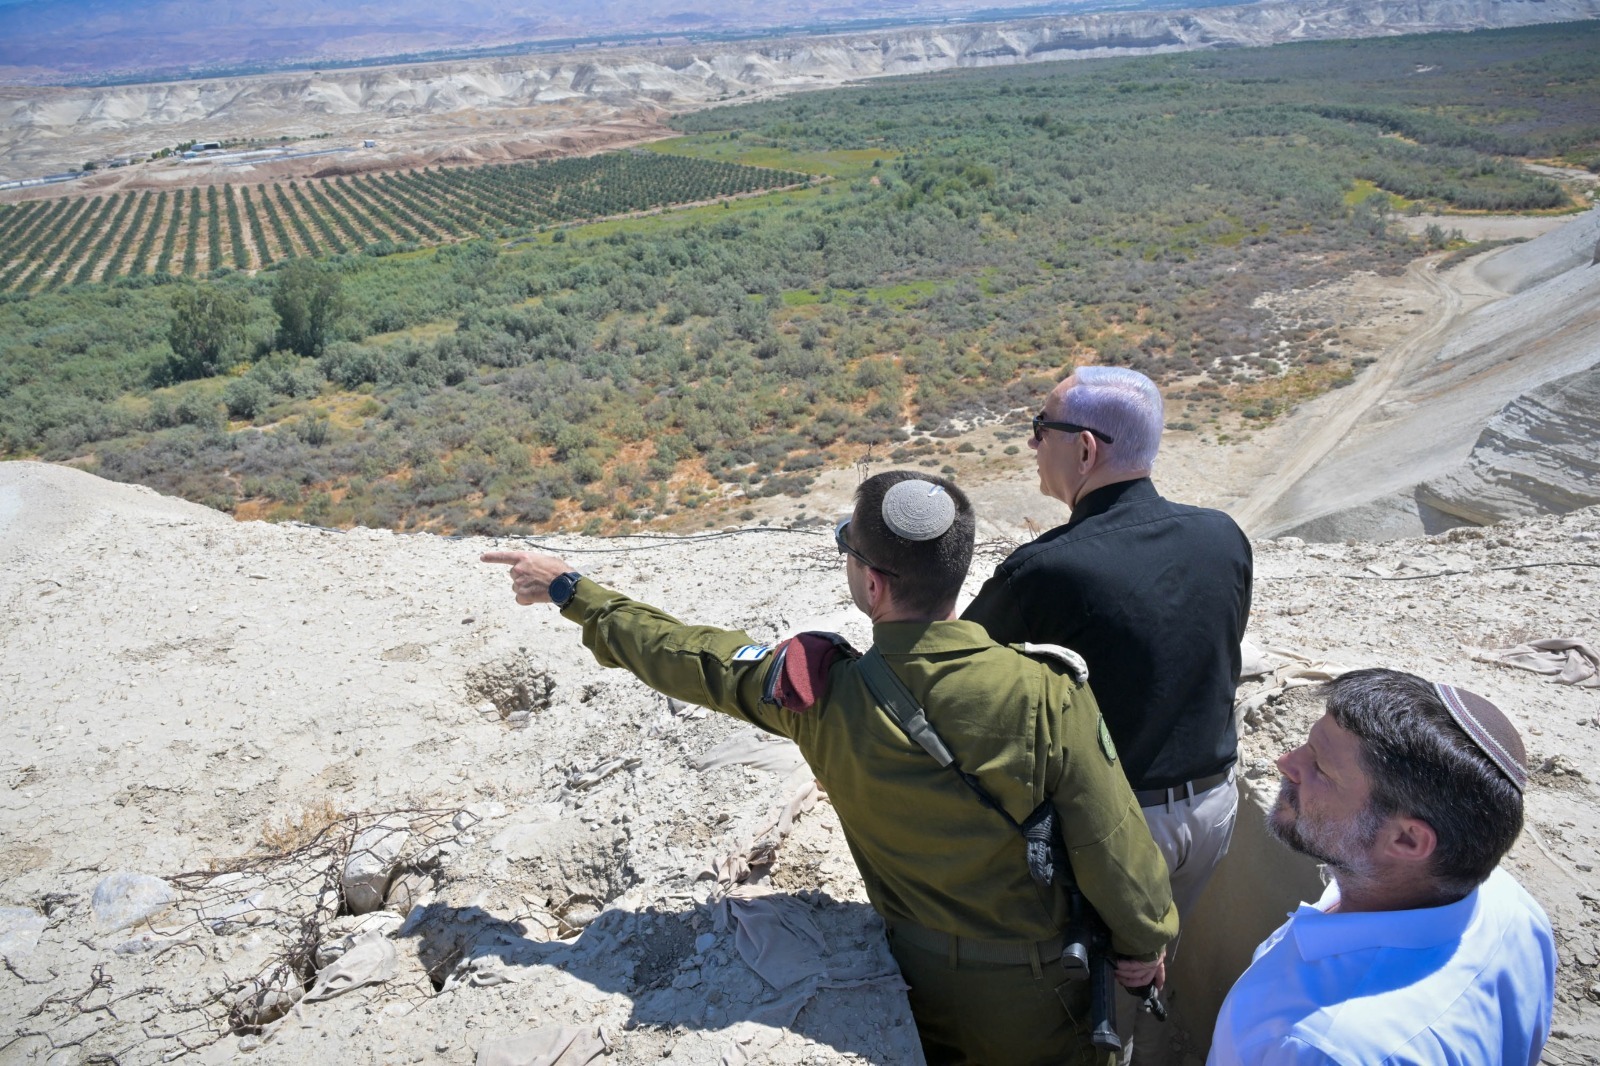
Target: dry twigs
[264, 915]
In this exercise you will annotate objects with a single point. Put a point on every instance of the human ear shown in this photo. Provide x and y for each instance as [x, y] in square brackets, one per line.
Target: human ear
[877, 588]
[1410, 839]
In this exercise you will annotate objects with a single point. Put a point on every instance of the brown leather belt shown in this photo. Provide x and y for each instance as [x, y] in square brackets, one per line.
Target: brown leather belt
[1159, 797]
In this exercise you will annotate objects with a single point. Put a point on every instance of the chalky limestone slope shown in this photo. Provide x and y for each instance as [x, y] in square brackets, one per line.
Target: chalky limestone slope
[538, 97]
[1540, 454]
[176, 686]
[1538, 321]
[561, 854]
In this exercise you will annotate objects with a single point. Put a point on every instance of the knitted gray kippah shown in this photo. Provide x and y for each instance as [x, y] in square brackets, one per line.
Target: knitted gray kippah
[918, 510]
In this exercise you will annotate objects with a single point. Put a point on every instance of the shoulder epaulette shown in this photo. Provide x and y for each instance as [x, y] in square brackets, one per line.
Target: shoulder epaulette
[1074, 662]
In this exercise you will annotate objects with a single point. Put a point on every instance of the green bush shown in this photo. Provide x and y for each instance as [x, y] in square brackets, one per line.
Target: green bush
[585, 469]
[247, 397]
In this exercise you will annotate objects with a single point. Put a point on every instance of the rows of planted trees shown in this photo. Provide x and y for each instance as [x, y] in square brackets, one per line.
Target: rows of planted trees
[989, 229]
[45, 244]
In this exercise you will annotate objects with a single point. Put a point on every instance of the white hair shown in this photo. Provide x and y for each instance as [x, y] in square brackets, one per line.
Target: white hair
[1124, 405]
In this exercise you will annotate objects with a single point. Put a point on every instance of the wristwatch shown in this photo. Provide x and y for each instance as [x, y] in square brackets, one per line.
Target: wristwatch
[562, 588]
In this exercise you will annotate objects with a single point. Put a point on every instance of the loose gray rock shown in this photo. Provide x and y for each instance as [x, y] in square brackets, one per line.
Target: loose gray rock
[19, 931]
[372, 862]
[407, 891]
[267, 997]
[125, 899]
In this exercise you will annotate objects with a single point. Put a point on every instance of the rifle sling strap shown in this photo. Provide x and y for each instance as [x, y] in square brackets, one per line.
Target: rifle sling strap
[1041, 831]
[1038, 832]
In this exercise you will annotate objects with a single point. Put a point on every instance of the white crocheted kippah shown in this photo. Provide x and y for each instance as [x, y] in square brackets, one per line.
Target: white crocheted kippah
[918, 510]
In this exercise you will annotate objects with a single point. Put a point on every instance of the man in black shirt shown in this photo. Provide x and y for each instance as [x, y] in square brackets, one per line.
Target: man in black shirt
[1155, 596]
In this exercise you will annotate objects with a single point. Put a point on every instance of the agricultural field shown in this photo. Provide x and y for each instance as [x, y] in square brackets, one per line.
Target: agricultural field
[47, 244]
[986, 231]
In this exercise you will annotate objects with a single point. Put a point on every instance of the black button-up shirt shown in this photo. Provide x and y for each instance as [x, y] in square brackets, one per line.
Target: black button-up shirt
[1155, 596]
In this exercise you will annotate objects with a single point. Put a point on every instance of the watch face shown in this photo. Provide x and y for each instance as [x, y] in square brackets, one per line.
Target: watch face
[562, 588]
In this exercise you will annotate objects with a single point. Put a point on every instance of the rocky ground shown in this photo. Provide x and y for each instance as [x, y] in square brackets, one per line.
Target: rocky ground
[581, 864]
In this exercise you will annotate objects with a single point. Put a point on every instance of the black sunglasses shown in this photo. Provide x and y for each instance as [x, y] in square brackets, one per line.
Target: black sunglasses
[1040, 424]
[845, 549]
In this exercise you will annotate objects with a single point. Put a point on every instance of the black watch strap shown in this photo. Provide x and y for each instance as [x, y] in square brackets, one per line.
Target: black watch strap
[563, 587]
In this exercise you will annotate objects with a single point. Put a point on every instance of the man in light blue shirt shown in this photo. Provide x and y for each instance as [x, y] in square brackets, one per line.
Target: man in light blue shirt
[1422, 951]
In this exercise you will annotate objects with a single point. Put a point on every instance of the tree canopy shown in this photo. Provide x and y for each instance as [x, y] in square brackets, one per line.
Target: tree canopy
[207, 332]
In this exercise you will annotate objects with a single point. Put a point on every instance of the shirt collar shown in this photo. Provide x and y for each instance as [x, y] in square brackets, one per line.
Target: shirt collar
[1319, 934]
[929, 638]
[1105, 497]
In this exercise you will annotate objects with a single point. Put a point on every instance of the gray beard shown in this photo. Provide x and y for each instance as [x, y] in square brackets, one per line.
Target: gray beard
[1342, 848]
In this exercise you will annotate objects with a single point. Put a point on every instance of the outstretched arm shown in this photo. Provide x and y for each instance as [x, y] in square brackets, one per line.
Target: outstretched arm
[722, 669]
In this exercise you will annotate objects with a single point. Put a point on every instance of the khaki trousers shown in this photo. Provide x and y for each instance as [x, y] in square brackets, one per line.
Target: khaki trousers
[1193, 835]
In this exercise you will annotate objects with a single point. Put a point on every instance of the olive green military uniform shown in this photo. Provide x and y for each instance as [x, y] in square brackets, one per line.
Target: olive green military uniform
[976, 939]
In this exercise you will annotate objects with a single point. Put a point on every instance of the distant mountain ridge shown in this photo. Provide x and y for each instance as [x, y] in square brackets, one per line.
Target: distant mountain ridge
[56, 41]
[46, 126]
[44, 41]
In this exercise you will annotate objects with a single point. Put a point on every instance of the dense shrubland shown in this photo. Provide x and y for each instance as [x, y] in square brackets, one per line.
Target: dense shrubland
[985, 230]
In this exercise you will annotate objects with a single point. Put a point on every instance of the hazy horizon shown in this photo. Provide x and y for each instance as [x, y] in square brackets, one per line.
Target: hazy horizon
[76, 41]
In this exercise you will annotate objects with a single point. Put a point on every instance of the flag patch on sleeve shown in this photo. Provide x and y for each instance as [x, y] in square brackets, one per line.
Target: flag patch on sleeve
[751, 653]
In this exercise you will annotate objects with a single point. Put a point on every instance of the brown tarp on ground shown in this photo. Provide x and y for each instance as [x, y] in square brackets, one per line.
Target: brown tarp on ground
[1570, 660]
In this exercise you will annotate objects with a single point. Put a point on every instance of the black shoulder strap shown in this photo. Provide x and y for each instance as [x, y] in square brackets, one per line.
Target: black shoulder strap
[1038, 831]
[893, 696]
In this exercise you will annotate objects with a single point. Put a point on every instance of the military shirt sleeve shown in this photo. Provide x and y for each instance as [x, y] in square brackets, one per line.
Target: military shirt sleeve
[1116, 863]
[723, 669]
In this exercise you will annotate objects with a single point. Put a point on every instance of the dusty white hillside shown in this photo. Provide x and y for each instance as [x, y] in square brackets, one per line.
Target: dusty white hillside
[1539, 455]
[177, 691]
[1504, 325]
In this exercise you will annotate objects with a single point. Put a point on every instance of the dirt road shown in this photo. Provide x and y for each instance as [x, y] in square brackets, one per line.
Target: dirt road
[1254, 513]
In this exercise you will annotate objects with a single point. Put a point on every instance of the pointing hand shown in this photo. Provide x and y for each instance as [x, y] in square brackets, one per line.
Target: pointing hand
[531, 573]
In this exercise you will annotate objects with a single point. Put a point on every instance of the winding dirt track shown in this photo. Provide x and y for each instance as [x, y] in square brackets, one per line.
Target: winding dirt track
[1253, 511]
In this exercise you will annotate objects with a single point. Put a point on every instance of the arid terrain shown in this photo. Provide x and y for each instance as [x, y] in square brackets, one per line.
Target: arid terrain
[184, 692]
[1486, 332]
[228, 712]
[216, 735]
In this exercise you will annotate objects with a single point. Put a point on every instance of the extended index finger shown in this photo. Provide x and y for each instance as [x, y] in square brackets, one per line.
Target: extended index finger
[510, 558]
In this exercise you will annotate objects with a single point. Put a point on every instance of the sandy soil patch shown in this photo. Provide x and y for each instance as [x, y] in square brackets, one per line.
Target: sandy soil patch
[1486, 227]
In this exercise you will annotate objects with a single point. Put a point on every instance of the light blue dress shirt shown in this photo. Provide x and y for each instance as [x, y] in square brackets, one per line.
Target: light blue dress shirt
[1467, 984]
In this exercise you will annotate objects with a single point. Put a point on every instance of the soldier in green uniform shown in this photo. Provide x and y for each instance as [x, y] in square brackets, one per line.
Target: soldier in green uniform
[977, 939]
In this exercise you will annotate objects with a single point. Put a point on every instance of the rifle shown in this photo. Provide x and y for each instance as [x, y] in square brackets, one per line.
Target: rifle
[1086, 952]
